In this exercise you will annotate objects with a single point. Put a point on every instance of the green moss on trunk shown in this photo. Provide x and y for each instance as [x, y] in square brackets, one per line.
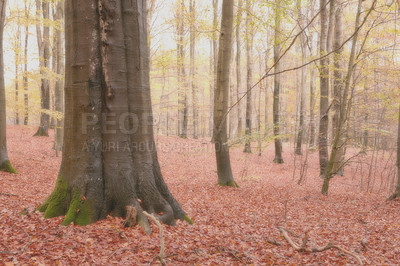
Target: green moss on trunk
[229, 184]
[188, 220]
[56, 204]
[80, 210]
[7, 167]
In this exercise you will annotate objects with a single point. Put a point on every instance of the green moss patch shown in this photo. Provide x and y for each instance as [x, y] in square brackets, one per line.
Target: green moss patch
[56, 204]
[7, 167]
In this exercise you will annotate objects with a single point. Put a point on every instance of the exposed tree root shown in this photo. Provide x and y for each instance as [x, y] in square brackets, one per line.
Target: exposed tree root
[303, 247]
[395, 195]
[42, 132]
[161, 255]
[7, 167]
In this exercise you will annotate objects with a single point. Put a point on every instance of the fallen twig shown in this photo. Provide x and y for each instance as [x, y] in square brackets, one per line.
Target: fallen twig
[161, 255]
[304, 248]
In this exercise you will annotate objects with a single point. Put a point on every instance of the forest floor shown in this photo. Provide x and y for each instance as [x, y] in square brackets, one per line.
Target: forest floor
[231, 226]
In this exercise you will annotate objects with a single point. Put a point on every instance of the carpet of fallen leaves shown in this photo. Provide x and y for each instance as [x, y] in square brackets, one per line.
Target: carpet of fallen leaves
[232, 226]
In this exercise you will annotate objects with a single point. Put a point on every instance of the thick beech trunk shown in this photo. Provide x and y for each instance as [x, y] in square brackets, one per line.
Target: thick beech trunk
[5, 164]
[221, 101]
[249, 52]
[43, 6]
[277, 86]
[109, 157]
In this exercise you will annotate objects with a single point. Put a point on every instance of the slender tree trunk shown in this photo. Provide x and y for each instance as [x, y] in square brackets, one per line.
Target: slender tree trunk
[182, 97]
[277, 85]
[266, 98]
[59, 87]
[17, 56]
[338, 87]
[214, 62]
[221, 101]
[238, 69]
[5, 164]
[43, 6]
[303, 82]
[312, 87]
[249, 52]
[396, 194]
[25, 78]
[324, 93]
[111, 163]
[195, 99]
[329, 172]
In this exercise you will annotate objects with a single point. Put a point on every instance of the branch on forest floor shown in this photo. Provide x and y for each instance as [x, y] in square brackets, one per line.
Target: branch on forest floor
[161, 255]
[21, 250]
[303, 247]
[273, 242]
[8, 194]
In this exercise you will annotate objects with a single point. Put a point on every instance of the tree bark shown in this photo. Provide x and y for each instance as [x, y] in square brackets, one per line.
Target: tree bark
[5, 164]
[249, 52]
[303, 82]
[312, 87]
[17, 56]
[182, 97]
[329, 172]
[221, 101]
[25, 78]
[59, 87]
[324, 93]
[193, 73]
[238, 69]
[277, 85]
[338, 86]
[396, 194]
[109, 158]
[43, 6]
[214, 62]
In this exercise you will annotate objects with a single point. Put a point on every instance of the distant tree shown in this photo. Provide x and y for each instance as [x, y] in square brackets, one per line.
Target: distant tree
[109, 159]
[249, 80]
[277, 83]
[193, 73]
[238, 68]
[25, 78]
[43, 40]
[225, 177]
[5, 164]
[396, 194]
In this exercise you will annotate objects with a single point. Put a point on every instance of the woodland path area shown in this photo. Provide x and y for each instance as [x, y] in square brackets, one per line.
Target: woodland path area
[231, 226]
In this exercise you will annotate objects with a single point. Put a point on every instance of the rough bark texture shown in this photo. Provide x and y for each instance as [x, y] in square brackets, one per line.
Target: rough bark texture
[221, 101]
[324, 93]
[109, 158]
[249, 50]
[43, 10]
[5, 164]
[59, 87]
[277, 86]
[238, 68]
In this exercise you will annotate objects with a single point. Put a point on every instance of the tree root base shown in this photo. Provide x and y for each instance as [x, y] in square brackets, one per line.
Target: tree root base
[7, 167]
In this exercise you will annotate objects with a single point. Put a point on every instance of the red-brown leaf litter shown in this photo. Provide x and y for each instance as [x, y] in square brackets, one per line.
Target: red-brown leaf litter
[231, 226]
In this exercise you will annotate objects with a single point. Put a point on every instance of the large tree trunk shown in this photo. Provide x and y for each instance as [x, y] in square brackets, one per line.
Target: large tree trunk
[249, 83]
[109, 157]
[5, 164]
[25, 78]
[43, 6]
[324, 93]
[225, 177]
[343, 112]
[238, 69]
[59, 87]
[193, 68]
[277, 85]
